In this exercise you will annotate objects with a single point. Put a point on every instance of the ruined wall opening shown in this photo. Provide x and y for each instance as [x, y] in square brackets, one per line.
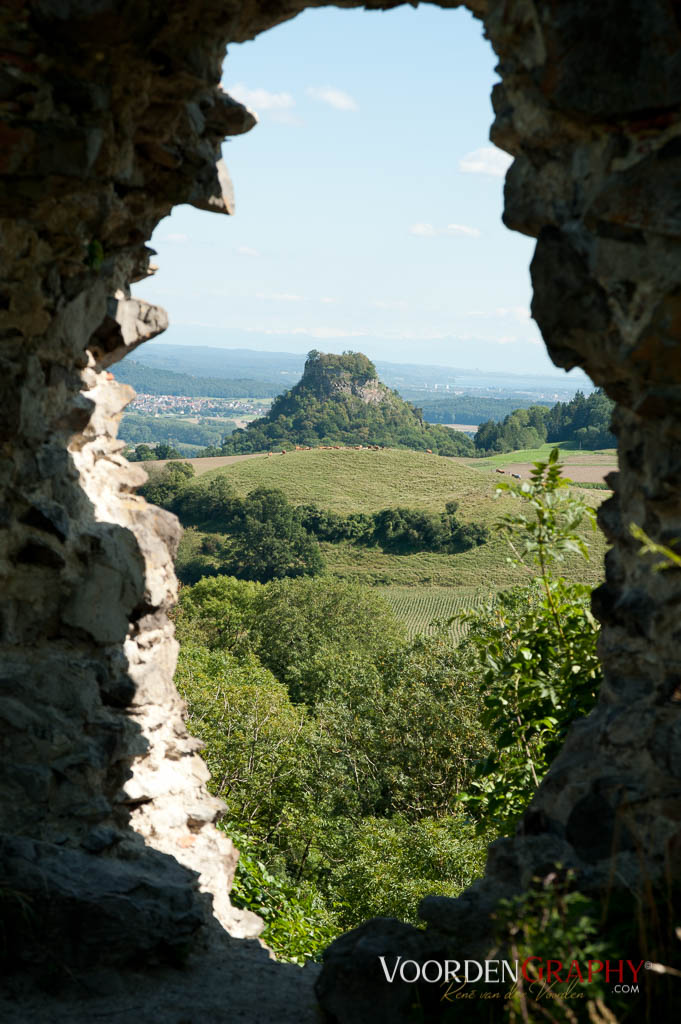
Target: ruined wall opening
[368, 216]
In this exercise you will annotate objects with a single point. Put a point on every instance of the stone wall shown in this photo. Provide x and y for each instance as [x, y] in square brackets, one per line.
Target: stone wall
[112, 113]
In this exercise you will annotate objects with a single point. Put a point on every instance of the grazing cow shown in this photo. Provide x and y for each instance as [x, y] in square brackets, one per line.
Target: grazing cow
[516, 476]
[500, 471]
[283, 451]
[429, 451]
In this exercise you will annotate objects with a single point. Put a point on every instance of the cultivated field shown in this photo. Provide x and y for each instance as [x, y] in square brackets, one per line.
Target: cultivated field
[421, 608]
[581, 466]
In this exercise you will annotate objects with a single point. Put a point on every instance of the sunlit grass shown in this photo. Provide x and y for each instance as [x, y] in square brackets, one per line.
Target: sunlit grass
[366, 481]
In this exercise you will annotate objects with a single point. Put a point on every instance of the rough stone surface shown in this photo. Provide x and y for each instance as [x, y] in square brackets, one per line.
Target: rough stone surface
[111, 114]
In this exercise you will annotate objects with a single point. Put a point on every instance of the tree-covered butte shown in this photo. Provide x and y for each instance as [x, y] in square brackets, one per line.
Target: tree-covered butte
[340, 400]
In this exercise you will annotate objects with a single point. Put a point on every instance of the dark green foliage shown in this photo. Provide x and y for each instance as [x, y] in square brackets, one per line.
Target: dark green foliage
[154, 380]
[327, 730]
[340, 400]
[584, 422]
[217, 613]
[165, 484]
[205, 501]
[368, 770]
[524, 428]
[261, 536]
[299, 923]
[472, 408]
[142, 453]
[267, 540]
[135, 428]
[397, 530]
[308, 630]
[332, 526]
[535, 649]
[539, 671]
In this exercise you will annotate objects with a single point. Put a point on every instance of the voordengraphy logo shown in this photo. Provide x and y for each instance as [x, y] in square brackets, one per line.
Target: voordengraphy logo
[499, 972]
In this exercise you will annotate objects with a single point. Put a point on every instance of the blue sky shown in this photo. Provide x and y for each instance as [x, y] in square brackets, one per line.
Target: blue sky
[368, 202]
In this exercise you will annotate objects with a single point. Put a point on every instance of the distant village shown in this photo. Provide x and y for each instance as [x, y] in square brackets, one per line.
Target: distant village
[180, 405]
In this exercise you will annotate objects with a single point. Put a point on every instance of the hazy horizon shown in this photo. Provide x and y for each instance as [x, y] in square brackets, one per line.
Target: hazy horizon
[192, 359]
[450, 353]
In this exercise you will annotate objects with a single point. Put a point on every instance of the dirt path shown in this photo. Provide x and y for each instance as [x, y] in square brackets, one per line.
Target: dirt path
[580, 472]
[203, 465]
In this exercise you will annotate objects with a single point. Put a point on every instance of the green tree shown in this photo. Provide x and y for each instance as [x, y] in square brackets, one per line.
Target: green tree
[339, 400]
[536, 650]
[143, 453]
[385, 867]
[268, 540]
[165, 484]
[207, 502]
[217, 613]
[300, 623]
[255, 738]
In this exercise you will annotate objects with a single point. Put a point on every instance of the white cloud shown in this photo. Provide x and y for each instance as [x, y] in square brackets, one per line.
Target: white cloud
[245, 250]
[503, 312]
[390, 304]
[279, 297]
[261, 99]
[335, 98]
[424, 230]
[176, 236]
[461, 229]
[327, 299]
[487, 160]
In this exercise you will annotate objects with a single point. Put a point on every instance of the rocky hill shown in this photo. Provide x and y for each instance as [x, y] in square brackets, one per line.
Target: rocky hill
[340, 400]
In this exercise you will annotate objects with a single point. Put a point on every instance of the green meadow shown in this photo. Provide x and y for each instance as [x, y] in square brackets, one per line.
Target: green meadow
[421, 586]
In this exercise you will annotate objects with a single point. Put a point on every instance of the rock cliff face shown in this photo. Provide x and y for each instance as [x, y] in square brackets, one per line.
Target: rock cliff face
[326, 375]
[112, 113]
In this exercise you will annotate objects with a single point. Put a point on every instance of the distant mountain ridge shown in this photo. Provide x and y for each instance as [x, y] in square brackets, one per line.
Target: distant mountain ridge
[148, 380]
[277, 368]
[340, 400]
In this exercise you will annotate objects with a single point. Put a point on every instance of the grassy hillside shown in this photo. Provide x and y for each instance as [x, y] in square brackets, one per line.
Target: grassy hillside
[366, 481]
[363, 481]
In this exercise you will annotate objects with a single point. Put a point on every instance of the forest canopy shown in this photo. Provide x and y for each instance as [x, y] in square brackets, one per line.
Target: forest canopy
[585, 422]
